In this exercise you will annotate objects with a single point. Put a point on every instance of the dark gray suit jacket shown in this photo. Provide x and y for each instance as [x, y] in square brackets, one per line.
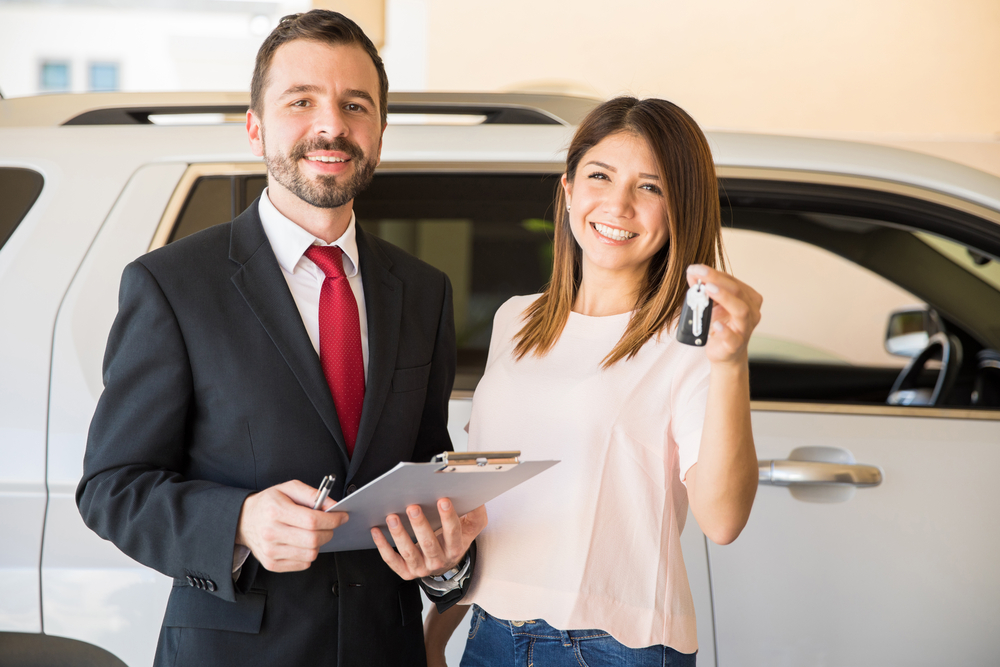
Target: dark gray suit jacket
[212, 391]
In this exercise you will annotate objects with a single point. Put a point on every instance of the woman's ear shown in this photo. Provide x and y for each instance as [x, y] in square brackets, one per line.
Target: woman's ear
[567, 189]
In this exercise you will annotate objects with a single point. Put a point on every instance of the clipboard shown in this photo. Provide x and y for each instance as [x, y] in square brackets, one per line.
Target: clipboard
[469, 479]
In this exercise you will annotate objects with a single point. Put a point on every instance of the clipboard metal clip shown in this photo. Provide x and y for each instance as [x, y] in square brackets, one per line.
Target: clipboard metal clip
[476, 461]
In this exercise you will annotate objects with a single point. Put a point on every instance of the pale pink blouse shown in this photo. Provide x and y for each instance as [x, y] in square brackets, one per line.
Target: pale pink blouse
[593, 542]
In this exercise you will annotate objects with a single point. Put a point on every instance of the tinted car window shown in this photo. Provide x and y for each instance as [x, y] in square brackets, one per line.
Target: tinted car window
[492, 235]
[19, 188]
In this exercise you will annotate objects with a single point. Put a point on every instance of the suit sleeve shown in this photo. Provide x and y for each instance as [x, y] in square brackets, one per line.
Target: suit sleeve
[433, 438]
[133, 491]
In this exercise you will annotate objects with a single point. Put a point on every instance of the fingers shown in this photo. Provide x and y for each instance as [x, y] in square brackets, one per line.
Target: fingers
[282, 534]
[391, 558]
[433, 552]
[740, 302]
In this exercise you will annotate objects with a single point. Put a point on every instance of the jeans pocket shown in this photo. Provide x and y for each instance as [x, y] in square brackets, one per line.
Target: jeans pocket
[477, 618]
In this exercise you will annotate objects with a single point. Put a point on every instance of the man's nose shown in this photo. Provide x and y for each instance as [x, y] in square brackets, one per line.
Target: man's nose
[331, 121]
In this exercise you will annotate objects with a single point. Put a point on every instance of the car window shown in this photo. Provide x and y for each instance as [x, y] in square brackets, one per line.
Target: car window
[818, 307]
[978, 264]
[830, 281]
[492, 235]
[19, 188]
[216, 199]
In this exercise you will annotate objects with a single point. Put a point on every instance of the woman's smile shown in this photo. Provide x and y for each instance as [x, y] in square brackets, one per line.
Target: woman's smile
[613, 235]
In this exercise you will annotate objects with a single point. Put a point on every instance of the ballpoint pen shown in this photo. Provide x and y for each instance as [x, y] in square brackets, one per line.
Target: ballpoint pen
[324, 490]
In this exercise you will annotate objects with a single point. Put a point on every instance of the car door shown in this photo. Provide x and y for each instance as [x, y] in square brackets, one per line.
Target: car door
[839, 574]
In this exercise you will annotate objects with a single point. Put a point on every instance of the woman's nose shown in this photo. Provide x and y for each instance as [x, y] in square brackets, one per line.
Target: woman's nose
[619, 203]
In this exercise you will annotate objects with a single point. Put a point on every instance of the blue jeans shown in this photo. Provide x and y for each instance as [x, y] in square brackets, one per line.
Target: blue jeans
[496, 643]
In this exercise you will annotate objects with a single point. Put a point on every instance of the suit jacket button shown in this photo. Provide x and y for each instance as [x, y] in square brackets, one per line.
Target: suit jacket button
[200, 582]
[336, 589]
[351, 489]
[211, 585]
[190, 580]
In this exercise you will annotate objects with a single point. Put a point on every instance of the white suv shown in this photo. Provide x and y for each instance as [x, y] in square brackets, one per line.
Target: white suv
[844, 240]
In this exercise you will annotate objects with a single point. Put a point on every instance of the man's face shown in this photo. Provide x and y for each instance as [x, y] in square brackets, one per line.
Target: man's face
[319, 130]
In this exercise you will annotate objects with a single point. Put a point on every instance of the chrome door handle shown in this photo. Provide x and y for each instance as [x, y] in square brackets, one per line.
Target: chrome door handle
[810, 473]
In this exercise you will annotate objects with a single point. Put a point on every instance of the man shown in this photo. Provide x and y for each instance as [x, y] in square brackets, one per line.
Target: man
[251, 359]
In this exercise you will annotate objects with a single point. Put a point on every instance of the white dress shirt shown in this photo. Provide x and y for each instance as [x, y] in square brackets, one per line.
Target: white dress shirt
[289, 243]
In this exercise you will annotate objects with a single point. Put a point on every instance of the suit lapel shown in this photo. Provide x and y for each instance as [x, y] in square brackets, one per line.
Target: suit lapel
[260, 281]
[384, 304]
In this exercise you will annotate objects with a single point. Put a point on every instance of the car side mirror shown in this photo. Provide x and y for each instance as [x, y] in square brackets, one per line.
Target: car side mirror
[910, 330]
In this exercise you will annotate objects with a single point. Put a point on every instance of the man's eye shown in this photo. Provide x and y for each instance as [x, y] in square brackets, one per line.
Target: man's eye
[300, 103]
[355, 107]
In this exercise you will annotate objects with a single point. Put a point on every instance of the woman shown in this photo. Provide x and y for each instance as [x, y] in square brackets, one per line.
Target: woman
[583, 564]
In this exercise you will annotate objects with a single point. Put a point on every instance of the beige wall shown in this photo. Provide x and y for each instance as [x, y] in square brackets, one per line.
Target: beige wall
[909, 69]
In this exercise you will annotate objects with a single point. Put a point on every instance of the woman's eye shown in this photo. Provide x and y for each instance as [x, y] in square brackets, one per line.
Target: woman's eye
[599, 175]
[655, 189]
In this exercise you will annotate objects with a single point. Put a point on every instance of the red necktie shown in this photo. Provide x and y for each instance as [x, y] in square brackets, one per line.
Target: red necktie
[340, 341]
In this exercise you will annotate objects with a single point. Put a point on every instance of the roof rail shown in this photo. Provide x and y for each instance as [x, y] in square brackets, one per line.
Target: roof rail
[136, 108]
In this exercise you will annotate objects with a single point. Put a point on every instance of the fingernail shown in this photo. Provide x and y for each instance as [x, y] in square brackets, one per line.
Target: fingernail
[445, 505]
[414, 512]
[392, 521]
[375, 532]
[698, 269]
[713, 289]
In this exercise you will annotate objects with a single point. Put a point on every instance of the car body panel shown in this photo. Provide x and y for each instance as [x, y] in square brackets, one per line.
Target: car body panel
[841, 583]
[90, 590]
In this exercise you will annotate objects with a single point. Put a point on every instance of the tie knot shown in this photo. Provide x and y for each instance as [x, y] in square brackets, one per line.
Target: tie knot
[328, 259]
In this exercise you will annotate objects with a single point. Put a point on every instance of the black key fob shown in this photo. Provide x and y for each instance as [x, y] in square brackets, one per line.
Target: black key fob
[696, 317]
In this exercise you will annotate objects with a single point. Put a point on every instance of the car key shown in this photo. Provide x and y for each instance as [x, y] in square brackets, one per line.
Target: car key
[696, 316]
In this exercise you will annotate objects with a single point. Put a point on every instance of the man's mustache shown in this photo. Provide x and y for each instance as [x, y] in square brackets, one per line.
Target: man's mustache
[340, 144]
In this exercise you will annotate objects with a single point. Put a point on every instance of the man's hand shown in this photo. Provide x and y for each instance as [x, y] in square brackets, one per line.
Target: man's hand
[433, 553]
[280, 528]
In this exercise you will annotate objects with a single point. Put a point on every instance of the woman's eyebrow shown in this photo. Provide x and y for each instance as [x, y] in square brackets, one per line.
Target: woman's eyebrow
[652, 177]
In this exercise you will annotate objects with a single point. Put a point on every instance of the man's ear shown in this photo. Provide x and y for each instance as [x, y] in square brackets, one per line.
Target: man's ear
[255, 133]
[378, 157]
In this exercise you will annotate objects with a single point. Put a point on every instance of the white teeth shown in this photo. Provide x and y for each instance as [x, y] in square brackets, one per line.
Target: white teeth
[612, 233]
[324, 158]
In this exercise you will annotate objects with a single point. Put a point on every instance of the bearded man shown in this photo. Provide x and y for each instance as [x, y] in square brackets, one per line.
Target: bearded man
[250, 359]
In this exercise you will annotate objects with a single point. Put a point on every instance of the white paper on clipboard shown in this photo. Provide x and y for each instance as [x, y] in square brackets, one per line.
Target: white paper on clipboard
[467, 484]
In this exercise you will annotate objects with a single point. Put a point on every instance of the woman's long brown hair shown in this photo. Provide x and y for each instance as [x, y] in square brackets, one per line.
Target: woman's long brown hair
[687, 171]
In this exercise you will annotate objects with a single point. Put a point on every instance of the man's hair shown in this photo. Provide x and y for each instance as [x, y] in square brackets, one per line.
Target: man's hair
[319, 25]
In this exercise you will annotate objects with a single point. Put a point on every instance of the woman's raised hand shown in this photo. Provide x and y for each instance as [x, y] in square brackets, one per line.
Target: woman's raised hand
[735, 314]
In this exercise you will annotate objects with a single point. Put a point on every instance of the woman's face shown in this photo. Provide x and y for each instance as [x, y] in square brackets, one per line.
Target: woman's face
[618, 206]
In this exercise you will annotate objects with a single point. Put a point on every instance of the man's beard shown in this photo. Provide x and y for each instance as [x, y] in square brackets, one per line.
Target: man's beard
[326, 191]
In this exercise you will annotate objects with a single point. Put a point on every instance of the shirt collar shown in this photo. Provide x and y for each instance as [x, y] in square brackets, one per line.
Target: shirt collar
[290, 241]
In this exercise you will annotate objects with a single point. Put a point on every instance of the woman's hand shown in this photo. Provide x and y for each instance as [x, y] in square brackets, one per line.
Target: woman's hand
[735, 314]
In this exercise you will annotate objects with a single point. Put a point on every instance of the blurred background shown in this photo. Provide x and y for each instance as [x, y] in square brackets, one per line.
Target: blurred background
[923, 74]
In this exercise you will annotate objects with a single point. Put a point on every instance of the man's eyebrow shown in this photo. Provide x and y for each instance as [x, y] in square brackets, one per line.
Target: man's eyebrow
[652, 177]
[363, 94]
[301, 88]
[312, 88]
